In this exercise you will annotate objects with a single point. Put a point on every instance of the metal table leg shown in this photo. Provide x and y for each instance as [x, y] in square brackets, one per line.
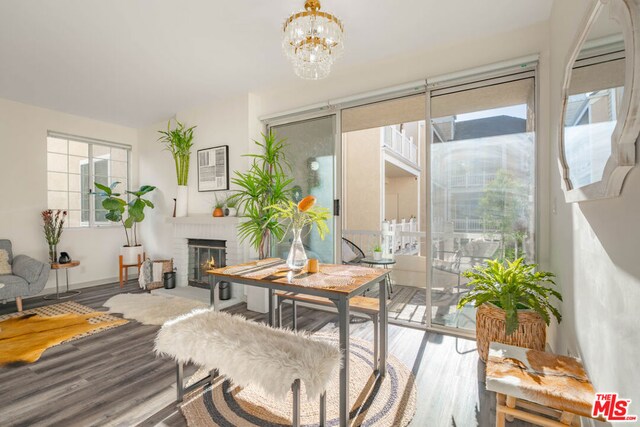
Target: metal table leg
[384, 328]
[272, 311]
[343, 316]
[66, 294]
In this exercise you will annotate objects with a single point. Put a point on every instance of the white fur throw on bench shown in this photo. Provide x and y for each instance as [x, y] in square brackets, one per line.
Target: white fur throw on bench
[248, 353]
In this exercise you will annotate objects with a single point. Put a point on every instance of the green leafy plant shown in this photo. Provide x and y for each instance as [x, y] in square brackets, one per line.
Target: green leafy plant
[262, 186]
[178, 142]
[220, 202]
[377, 248]
[231, 202]
[512, 286]
[128, 214]
[289, 214]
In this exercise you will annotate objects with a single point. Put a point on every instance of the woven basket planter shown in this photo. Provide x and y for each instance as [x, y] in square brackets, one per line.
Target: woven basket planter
[491, 326]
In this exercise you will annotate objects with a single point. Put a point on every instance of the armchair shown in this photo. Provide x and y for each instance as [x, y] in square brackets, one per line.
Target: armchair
[28, 276]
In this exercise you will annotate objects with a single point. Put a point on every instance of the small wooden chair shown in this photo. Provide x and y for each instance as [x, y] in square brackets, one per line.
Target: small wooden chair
[124, 268]
[542, 388]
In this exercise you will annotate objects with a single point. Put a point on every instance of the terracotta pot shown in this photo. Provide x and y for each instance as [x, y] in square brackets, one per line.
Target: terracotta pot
[491, 325]
[218, 212]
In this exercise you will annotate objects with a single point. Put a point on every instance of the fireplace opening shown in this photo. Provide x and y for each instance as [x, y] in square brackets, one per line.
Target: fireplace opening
[204, 255]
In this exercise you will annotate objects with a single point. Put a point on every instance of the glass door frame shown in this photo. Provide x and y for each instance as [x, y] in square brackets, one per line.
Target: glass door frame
[471, 80]
[337, 153]
[478, 81]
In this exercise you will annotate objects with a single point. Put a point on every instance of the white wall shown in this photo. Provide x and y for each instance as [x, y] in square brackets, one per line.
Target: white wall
[227, 123]
[594, 250]
[23, 189]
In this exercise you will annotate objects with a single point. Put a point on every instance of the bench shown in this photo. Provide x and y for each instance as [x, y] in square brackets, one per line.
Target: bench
[249, 353]
[367, 306]
[542, 388]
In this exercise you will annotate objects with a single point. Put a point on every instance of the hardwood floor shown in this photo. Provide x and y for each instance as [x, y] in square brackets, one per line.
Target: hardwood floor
[113, 377]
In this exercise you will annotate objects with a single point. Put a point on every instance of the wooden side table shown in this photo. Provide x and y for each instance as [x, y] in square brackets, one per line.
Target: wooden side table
[57, 267]
[124, 268]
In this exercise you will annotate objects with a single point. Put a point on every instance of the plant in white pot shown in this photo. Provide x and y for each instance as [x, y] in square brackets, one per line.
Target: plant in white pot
[129, 214]
[513, 304]
[178, 142]
[377, 252]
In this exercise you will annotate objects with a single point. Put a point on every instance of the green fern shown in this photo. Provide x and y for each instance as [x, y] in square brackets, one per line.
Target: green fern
[512, 286]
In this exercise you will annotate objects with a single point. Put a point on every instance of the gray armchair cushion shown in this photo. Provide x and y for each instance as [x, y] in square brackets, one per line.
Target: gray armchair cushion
[13, 286]
[6, 245]
[27, 268]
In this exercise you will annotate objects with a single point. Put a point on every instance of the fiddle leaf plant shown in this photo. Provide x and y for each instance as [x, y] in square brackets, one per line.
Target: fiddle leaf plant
[512, 286]
[128, 214]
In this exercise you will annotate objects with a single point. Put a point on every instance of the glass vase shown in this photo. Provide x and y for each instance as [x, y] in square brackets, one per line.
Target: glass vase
[53, 254]
[297, 258]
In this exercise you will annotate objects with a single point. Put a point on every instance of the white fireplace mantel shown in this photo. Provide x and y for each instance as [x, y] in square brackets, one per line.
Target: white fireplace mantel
[204, 227]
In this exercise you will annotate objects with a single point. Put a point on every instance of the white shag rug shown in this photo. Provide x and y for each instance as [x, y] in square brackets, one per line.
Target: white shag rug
[151, 309]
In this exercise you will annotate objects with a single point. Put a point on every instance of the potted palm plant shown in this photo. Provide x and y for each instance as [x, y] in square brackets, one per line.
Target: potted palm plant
[263, 186]
[513, 304]
[129, 214]
[178, 142]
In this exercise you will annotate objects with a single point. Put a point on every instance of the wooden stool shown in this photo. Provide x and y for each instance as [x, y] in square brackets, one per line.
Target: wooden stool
[124, 268]
[542, 388]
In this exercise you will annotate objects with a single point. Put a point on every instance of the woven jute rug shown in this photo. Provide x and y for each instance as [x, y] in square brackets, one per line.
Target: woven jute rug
[374, 402]
[25, 335]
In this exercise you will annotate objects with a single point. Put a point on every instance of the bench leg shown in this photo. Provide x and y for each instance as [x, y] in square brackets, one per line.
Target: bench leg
[294, 307]
[500, 421]
[376, 341]
[511, 403]
[323, 409]
[179, 379]
[295, 388]
[279, 307]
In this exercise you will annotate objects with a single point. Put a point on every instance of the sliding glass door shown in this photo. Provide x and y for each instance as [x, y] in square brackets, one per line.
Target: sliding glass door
[482, 180]
[311, 153]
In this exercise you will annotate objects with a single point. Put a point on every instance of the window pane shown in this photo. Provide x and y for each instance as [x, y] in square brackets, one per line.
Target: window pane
[58, 200]
[118, 169]
[122, 187]
[78, 219]
[79, 183]
[75, 201]
[119, 154]
[482, 187]
[56, 162]
[57, 181]
[56, 145]
[100, 216]
[101, 151]
[80, 149]
[76, 164]
[101, 168]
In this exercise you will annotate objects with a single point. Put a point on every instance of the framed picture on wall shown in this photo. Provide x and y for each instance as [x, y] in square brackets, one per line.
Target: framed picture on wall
[213, 168]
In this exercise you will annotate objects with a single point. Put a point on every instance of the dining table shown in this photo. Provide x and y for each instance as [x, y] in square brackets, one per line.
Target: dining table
[336, 282]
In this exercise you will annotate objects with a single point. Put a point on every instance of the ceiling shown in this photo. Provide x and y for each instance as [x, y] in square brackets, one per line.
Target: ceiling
[135, 62]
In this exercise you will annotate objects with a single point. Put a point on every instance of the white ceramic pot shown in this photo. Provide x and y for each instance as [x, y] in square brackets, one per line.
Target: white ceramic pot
[232, 212]
[182, 200]
[130, 254]
[377, 256]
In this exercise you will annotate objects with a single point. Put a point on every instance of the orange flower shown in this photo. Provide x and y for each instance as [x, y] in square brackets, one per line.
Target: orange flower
[306, 203]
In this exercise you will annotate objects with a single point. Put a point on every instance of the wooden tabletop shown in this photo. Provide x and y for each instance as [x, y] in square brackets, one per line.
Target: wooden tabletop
[70, 264]
[283, 275]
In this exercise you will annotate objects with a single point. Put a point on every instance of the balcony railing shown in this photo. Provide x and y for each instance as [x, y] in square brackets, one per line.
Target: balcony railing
[471, 180]
[405, 239]
[400, 144]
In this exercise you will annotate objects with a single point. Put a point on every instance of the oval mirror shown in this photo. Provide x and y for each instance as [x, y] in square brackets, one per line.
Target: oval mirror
[600, 122]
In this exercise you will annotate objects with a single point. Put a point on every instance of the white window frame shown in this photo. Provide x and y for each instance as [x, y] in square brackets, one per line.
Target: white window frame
[91, 143]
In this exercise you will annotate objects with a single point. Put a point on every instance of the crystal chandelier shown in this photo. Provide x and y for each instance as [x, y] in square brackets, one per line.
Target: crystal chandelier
[313, 40]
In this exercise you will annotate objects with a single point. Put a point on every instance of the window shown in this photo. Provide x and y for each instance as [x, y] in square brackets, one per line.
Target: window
[73, 165]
